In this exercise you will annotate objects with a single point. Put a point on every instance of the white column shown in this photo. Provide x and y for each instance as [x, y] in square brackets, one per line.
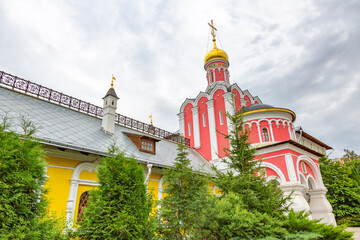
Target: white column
[271, 132]
[212, 129]
[320, 207]
[229, 106]
[297, 200]
[196, 127]
[71, 203]
[290, 134]
[259, 132]
[290, 167]
[181, 123]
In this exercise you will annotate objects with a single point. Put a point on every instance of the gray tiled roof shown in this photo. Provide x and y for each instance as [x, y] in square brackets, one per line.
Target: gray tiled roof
[61, 126]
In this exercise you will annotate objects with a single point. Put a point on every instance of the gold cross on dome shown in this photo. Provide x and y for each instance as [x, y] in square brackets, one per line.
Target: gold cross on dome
[213, 29]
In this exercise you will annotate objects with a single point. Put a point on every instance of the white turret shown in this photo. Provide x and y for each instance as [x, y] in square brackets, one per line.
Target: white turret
[110, 105]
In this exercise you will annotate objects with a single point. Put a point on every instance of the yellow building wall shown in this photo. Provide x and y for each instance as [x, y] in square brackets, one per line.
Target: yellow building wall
[58, 183]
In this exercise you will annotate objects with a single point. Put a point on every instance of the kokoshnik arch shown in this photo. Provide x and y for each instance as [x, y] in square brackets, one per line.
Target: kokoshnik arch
[75, 135]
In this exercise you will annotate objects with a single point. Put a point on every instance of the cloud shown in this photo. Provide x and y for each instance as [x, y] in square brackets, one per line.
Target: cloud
[301, 55]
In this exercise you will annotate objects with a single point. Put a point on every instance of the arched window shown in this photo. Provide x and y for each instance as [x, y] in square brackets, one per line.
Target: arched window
[204, 120]
[83, 201]
[265, 133]
[303, 167]
[212, 76]
[221, 118]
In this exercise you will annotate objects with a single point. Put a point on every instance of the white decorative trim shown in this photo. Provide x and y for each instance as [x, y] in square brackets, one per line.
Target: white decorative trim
[75, 181]
[196, 126]
[280, 174]
[56, 166]
[186, 102]
[312, 165]
[181, 123]
[290, 168]
[212, 129]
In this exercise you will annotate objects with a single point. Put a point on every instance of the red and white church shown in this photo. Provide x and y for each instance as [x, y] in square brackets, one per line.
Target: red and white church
[75, 135]
[289, 155]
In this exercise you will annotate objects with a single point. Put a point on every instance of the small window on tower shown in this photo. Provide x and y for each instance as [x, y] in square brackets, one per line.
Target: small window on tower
[221, 117]
[212, 76]
[189, 129]
[265, 133]
[204, 120]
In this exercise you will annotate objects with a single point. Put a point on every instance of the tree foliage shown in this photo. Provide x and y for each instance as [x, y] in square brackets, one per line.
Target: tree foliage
[343, 184]
[23, 206]
[186, 200]
[119, 207]
[241, 177]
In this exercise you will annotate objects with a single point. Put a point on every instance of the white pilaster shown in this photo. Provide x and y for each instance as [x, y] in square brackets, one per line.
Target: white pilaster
[181, 123]
[290, 167]
[212, 129]
[229, 106]
[259, 132]
[271, 132]
[196, 127]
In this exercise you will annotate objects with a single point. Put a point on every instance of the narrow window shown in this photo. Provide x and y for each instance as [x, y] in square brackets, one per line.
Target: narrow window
[189, 129]
[303, 166]
[265, 133]
[204, 120]
[212, 77]
[83, 201]
[221, 117]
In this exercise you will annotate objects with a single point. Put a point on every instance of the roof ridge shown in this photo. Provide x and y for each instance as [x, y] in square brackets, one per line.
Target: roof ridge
[29, 88]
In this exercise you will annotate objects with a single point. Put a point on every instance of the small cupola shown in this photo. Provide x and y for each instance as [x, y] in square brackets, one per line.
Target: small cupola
[216, 62]
[109, 106]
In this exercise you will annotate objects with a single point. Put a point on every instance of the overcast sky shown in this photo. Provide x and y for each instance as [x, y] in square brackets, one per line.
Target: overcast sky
[301, 55]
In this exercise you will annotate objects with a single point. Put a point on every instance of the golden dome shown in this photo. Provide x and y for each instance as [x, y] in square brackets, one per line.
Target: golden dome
[216, 53]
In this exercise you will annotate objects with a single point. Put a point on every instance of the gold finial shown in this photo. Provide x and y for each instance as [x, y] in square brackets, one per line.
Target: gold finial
[213, 29]
[151, 123]
[112, 81]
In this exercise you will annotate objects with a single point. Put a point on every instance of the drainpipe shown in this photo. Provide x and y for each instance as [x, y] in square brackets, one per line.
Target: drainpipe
[149, 166]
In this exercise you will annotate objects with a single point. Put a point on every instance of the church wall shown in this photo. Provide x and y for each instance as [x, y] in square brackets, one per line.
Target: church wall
[219, 75]
[271, 172]
[219, 105]
[281, 132]
[205, 145]
[188, 118]
[237, 99]
[254, 134]
[248, 101]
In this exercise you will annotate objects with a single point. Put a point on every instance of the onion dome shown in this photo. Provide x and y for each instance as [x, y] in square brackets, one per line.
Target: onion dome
[216, 53]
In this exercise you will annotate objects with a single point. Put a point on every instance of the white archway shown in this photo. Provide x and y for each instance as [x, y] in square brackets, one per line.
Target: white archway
[74, 184]
[314, 168]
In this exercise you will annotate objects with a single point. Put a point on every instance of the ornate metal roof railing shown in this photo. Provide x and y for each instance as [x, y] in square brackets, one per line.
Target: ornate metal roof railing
[41, 92]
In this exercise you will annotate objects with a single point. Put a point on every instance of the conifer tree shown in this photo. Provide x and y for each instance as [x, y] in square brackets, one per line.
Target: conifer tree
[119, 207]
[186, 200]
[242, 176]
[23, 206]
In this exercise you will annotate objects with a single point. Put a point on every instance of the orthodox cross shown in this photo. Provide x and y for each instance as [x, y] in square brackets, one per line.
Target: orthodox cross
[213, 29]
